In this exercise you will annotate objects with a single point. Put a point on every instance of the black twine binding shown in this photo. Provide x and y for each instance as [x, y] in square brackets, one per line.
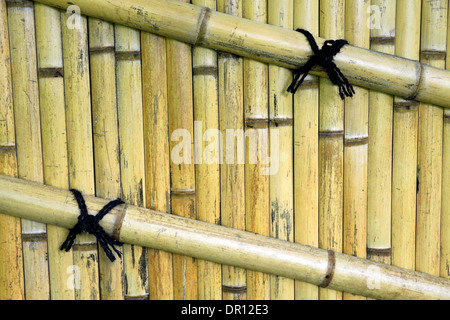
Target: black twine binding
[324, 58]
[90, 224]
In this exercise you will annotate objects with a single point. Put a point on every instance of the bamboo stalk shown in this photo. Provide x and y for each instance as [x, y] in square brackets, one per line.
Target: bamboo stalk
[433, 52]
[28, 140]
[157, 154]
[404, 159]
[105, 135]
[232, 170]
[131, 135]
[445, 218]
[256, 108]
[202, 240]
[54, 141]
[379, 189]
[80, 146]
[181, 117]
[331, 146]
[206, 113]
[281, 193]
[356, 141]
[11, 264]
[306, 150]
[198, 26]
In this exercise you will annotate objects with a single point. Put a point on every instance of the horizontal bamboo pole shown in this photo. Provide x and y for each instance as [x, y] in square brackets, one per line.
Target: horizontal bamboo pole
[203, 27]
[148, 228]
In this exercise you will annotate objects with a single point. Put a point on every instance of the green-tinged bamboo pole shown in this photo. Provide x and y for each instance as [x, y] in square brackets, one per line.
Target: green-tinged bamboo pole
[220, 244]
[206, 115]
[429, 175]
[11, 264]
[131, 140]
[157, 154]
[54, 140]
[199, 26]
[232, 170]
[379, 188]
[404, 153]
[306, 150]
[256, 108]
[80, 145]
[356, 141]
[281, 195]
[331, 146]
[106, 138]
[445, 218]
[181, 131]
[28, 140]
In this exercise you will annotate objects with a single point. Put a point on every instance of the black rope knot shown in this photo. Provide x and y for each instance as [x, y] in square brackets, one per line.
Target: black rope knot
[324, 58]
[90, 224]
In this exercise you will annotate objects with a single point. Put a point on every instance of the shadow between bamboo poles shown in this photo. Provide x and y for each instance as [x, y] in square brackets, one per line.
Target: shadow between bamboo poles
[199, 26]
[157, 154]
[54, 139]
[232, 169]
[148, 228]
[306, 150]
[206, 114]
[404, 153]
[28, 139]
[256, 109]
[11, 264]
[106, 138]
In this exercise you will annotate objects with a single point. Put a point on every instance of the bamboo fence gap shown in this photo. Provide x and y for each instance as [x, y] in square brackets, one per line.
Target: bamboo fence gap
[157, 154]
[379, 184]
[207, 174]
[404, 153]
[183, 192]
[54, 139]
[306, 150]
[11, 264]
[131, 140]
[429, 175]
[331, 146]
[105, 139]
[28, 140]
[256, 108]
[80, 146]
[232, 169]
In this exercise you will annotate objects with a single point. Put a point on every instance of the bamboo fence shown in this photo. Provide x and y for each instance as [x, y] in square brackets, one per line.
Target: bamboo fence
[234, 188]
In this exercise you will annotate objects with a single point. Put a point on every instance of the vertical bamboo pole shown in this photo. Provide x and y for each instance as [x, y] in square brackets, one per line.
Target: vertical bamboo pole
[445, 219]
[256, 108]
[206, 114]
[433, 52]
[54, 140]
[306, 150]
[157, 154]
[181, 120]
[131, 135]
[231, 119]
[11, 264]
[281, 13]
[28, 140]
[79, 145]
[106, 141]
[356, 142]
[381, 112]
[404, 159]
[331, 145]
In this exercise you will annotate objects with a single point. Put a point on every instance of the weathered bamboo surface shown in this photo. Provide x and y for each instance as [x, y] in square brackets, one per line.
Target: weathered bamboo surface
[148, 228]
[201, 26]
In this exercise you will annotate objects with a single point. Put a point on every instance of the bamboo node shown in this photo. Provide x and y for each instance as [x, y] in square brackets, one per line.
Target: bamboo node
[419, 83]
[119, 222]
[128, 55]
[330, 269]
[234, 289]
[141, 297]
[34, 237]
[19, 3]
[202, 26]
[51, 73]
[385, 252]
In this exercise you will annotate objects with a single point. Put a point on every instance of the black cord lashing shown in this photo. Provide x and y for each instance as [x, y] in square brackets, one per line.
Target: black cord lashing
[90, 224]
[324, 58]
